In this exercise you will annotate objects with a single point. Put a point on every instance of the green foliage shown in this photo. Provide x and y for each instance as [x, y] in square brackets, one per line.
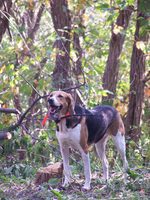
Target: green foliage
[20, 170]
[92, 21]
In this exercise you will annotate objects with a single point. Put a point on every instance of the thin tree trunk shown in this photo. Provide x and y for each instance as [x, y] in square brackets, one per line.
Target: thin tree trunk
[137, 80]
[62, 24]
[5, 8]
[110, 76]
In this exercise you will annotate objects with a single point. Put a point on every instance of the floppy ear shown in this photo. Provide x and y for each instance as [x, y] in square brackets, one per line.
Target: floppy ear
[70, 104]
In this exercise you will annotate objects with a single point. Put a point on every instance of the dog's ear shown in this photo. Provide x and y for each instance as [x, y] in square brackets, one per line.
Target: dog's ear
[70, 104]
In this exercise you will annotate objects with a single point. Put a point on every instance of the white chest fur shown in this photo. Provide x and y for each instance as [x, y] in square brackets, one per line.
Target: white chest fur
[70, 137]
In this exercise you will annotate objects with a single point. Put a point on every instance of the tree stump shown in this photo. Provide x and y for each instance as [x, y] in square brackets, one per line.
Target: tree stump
[51, 171]
[21, 154]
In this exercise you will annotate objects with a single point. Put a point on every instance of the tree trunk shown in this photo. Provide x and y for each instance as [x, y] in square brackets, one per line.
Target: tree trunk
[5, 8]
[115, 49]
[137, 80]
[62, 24]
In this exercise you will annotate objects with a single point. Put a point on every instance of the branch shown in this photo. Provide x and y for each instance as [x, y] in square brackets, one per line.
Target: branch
[75, 87]
[29, 83]
[36, 25]
[7, 110]
[5, 134]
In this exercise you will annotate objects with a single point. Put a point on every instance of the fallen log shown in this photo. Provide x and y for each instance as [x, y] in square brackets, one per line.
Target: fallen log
[5, 135]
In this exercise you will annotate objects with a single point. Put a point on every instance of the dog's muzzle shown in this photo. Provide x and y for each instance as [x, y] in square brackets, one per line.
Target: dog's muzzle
[53, 108]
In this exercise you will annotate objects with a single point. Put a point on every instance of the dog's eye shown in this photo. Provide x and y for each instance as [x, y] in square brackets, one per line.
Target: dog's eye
[51, 95]
[60, 96]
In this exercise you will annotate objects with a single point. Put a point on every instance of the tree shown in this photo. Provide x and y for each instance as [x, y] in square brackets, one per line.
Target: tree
[137, 72]
[110, 76]
[5, 10]
[62, 24]
[65, 67]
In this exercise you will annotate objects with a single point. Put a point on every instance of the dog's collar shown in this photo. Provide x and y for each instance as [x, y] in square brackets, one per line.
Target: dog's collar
[62, 118]
[56, 120]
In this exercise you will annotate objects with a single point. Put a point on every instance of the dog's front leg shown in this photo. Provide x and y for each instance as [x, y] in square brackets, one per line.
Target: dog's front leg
[87, 170]
[65, 155]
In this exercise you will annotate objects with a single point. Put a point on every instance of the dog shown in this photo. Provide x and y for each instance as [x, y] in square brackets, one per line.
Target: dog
[79, 128]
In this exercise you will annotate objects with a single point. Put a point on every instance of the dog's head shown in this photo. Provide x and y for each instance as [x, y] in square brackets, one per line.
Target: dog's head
[60, 103]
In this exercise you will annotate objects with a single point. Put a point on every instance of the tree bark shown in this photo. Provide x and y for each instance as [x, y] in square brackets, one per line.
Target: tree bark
[5, 8]
[110, 76]
[137, 80]
[62, 24]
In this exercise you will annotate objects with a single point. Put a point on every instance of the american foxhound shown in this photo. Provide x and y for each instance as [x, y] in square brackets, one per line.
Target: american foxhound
[84, 128]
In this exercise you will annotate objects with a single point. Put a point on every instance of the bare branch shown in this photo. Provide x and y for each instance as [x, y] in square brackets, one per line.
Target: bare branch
[7, 110]
[3, 134]
[29, 83]
[36, 25]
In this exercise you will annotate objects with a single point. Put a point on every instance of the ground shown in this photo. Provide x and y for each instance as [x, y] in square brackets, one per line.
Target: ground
[138, 187]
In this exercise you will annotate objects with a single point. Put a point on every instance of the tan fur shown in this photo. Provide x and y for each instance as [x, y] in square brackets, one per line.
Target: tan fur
[84, 136]
[66, 101]
[77, 137]
[116, 125]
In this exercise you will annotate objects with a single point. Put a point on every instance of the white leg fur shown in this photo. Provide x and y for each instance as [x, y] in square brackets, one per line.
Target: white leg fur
[65, 156]
[120, 143]
[87, 170]
[67, 172]
[100, 148]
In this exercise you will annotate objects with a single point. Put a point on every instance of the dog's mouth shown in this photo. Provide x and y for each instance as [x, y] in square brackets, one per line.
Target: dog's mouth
[53, 110]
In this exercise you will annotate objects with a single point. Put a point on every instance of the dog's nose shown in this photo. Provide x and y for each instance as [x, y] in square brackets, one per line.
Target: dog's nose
[51, 101]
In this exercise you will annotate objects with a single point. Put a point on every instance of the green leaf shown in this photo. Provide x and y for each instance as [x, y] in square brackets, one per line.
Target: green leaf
[132, 174]
[95, 32]
[8, 170]
[56, 193]
[102, 6]
[53, 182]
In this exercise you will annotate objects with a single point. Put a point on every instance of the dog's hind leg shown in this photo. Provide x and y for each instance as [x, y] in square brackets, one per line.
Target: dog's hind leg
[119, 140]
[100, 148]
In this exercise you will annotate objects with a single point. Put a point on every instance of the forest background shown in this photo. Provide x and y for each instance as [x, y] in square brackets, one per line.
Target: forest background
[99, 52]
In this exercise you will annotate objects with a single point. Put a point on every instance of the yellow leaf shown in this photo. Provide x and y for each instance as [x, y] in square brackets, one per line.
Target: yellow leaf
[30, 6]
[90, 148]
[85, 17]
[2, 69]
[15, 91]
[19, 3]
[116, 10]
[35, 81]
[117, 29]
[147, 92]
[82, 2]
[47, 2]
[43, 51]
[91, 2]
[91, 50]
[140, 45]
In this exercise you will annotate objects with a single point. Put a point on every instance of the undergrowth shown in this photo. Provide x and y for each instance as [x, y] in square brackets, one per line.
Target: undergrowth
[17, 176]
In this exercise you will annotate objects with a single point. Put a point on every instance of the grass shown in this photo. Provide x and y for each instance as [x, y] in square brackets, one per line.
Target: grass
[138, 187]
[17, 179]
